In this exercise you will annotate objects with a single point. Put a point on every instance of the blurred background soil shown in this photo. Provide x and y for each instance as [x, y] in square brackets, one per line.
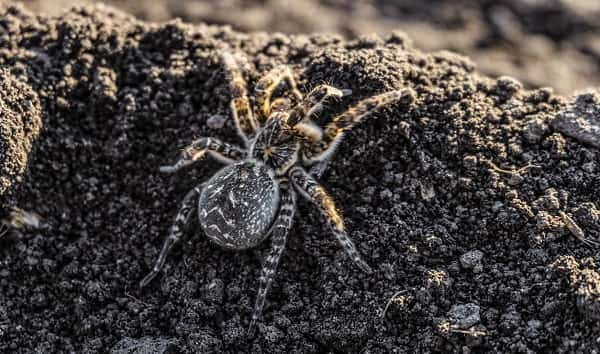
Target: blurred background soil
[541, 42]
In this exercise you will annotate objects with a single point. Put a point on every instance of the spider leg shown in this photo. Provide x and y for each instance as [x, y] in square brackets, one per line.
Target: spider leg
[280, 104]
[357, 113]
[221, 151]
[245, 122]
[308, 132]
[279, 232]
[3, 229]
[313, 191]
[333, 132]
[267, 85]
[318, 168]
[175, 233]
[314, 102]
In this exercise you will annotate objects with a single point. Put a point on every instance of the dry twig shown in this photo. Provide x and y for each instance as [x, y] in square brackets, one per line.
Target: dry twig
[512, 172]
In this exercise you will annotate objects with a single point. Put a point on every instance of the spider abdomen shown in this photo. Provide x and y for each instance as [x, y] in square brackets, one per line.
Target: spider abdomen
[238, 205]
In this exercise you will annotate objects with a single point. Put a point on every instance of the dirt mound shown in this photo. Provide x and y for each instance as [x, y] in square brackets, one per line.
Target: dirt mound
[19, 126]
[464, 202]
[552, 43]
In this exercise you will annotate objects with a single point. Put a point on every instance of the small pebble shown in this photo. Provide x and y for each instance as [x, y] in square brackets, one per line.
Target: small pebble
[216, 121]
[534, 130]
[472, 260]
[464, 316]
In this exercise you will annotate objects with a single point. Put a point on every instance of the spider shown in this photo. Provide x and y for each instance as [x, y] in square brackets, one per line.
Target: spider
[254, 195]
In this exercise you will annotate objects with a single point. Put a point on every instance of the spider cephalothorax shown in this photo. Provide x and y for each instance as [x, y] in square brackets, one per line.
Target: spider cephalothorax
[252, 197]
[275, 145]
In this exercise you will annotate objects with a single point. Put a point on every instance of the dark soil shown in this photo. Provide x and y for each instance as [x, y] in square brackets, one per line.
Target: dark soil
[456, 201]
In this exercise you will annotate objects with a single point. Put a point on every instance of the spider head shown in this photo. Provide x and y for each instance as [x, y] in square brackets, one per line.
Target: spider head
[275, 144]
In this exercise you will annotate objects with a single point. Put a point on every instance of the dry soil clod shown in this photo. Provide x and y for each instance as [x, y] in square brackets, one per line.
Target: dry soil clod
[581, 118]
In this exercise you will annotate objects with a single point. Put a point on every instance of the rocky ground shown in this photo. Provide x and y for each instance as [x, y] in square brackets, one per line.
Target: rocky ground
[468, 202]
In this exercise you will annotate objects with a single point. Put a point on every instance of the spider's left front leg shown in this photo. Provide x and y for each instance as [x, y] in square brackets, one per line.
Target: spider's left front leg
[221, 151]
[314, 192]
[279, 232]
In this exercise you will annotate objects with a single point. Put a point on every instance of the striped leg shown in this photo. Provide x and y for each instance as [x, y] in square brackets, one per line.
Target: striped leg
[3, 228]
[333, 132]
[314, 102]
[181, 219]
[279, 231]
[267, 85]
[281, 104]
[240, 104]
[221, 151]
[319, 168]
[356, 114]
[311, 189]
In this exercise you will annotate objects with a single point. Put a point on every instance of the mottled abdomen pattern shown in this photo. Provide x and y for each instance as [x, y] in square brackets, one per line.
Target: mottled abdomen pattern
[238, 205]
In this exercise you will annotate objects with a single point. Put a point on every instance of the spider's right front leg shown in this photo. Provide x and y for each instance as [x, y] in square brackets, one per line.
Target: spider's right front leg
[221, 151]
[183, 216]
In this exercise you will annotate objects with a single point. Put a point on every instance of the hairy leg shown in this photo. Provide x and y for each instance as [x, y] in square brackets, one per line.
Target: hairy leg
[183, 216]
[280, 104]
[267, 85]
[3, 229]
[314, 102]
[309, 132]
[218, 149]
[240, 104]
[364, 108]
[318, 168]
[279, 232]
[311, 189]
[333, 132]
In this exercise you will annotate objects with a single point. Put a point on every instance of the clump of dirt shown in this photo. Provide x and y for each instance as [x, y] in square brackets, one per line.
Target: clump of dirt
[19, 127]
[581, 119]
[457, 201]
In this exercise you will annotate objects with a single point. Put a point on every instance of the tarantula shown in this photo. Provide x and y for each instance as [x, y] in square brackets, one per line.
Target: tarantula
[254, 196]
